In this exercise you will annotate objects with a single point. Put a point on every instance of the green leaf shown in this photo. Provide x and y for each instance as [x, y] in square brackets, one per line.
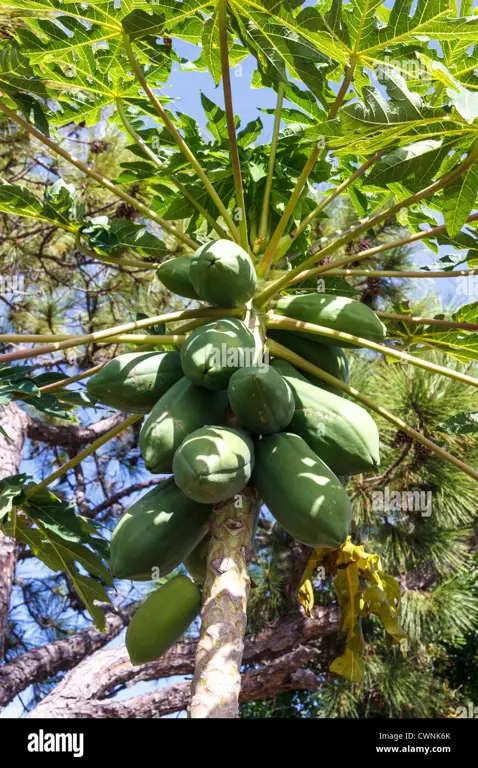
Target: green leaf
[459, 200]
[12, 489]
[49, 405]
[250, 133]
[19, 201]
[460, 424]
[53, 514]
[216, 119]
[400, 163]
[113, 236]
[139, 24]
[210, 47]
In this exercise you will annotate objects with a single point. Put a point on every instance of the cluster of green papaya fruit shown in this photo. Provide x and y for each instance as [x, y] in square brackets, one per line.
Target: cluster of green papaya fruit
[220, 417]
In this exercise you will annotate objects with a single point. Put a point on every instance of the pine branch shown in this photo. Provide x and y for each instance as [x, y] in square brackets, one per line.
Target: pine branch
[102, 180]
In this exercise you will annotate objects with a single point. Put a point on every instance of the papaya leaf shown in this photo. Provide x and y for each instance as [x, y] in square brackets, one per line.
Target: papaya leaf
[19, 201]
[12, 489]
[250, 133]
[459, 200]
[460, 424]
[139, 24]
[460, 345]
[401, 162]
[113, 236]
[50, 405]
[210, 47]
[54, 514]
[216, 119]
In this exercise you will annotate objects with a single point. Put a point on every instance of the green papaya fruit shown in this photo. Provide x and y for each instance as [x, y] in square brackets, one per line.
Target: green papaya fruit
[157, 533]
[338, 313]
[161, 620]
[301, 492]
[196, 562]
[134, 382]
[223, 274]
[180, 411]
[174, 274]
[259, 399]
[212, 353]
[213, 463]
[340, 432]
[333, 360]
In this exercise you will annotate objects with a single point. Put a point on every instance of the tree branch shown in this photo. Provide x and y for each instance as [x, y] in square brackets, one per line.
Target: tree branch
[96, 677]
[41, 663]
[283, 674]
[71, 436]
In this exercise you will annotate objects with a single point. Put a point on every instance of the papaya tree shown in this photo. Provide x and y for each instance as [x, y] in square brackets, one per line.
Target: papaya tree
[245, 395]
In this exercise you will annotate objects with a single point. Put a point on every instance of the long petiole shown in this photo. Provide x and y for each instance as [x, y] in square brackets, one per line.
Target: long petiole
[335, 192]
[157, 161]
[427, 321]
[119, 329]
[102, 180]
[180, 141]
[369, 252]
[344, 87]
[264, 220]
[286, 354]
[120, 338]
[71, 379]
[111, 260]
[84, 454]
[392, 273]
[369, 223]
[288, 324]
[266, 260]
[231, 128]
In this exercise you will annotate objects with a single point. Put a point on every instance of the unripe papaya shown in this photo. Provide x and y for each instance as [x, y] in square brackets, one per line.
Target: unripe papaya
[162, 619]
[333, 360]
[259, 399]
[214, 351]
[213, 464]
[301, 492]
[196, 562]
[134, 382]
[340, 432]
[157, 532]
[174, 274]
[179, 412]
[222, 273]
[338, 313]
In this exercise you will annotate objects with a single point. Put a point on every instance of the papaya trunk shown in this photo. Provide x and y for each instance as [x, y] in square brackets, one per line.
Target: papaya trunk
[217, 681]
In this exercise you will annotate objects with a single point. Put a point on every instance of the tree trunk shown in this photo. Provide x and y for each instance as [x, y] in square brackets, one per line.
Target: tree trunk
[13, 421]
[217, 677]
